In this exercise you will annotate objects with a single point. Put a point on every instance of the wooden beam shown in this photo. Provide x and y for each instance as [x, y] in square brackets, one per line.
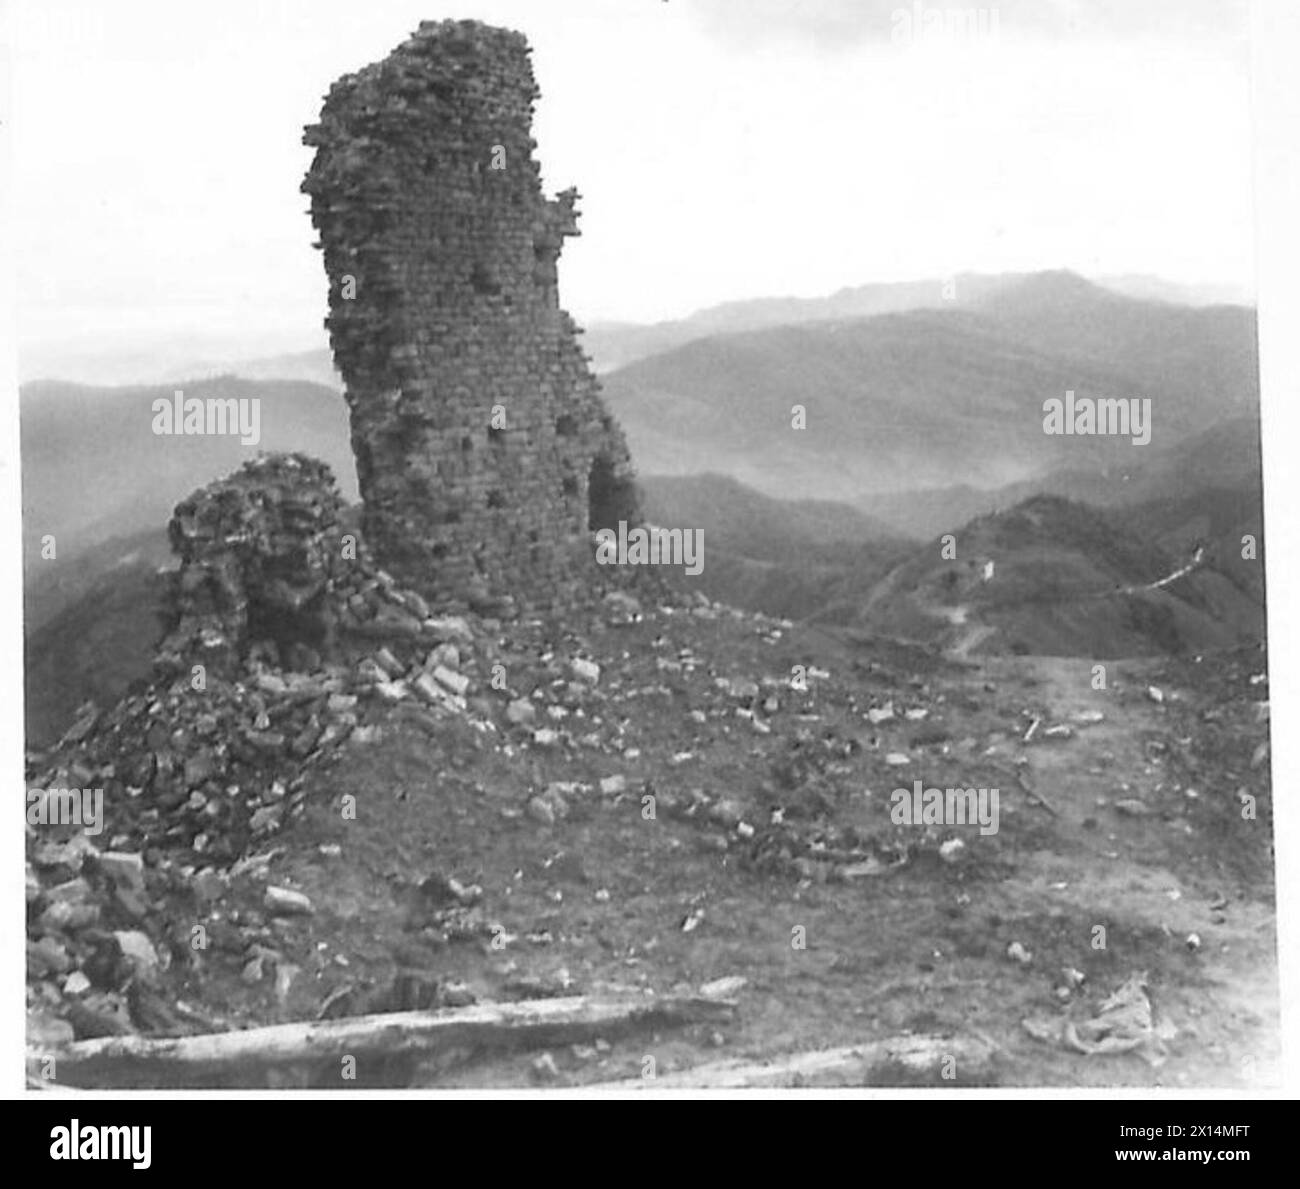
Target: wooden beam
[243, 1057]
[897, 1061]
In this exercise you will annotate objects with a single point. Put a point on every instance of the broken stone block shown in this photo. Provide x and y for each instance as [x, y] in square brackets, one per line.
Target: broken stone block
[389, 663]
[520, 712]
[456, 683]
[47, 956]
[124, 869]
[392, 691]
[450, 627]
[138, 950]
[286, 902]
[446, 655]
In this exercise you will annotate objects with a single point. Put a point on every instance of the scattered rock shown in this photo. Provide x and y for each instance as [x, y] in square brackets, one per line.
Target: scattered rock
[456, 994]
[286, 902]
[541, 811]
[389, 663]
[208, 885]
[951, 850]
[864, 869]
[545, 1069]
[138, 950]
[450, 627]
[47, 956]
[46, 1032]
[724, 988]
[449, 679]
[124, 869]
[62, 916]
[618, 600]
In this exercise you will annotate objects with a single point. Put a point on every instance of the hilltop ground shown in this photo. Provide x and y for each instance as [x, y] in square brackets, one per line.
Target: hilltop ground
[772, 816]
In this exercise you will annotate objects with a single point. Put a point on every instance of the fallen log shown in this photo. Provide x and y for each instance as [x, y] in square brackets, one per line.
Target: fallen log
[897, 1061]
[243, 1058]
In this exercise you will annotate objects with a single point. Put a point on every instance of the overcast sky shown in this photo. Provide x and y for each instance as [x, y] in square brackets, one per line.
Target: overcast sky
[723, 148]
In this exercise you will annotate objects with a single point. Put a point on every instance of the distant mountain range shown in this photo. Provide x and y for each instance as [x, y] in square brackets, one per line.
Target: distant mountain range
[1224, 458]
[919, 419]
[615, 344]
[610, 344]
[923, 415]
[93, 469]
[92, 628]
[936, 398]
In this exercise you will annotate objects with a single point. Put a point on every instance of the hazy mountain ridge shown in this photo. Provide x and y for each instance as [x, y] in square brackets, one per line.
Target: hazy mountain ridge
[940, 407]
[93, 468]
[1055, 577]
[616, 344]
[935, 398]
[611, 344]
[1224, 458]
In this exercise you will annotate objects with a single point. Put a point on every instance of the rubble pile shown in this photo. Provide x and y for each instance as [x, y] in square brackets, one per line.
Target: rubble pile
[281, 632]
[283, 638]
[269, 575]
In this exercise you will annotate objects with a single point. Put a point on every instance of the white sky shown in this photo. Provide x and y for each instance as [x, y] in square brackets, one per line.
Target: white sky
[723, 148]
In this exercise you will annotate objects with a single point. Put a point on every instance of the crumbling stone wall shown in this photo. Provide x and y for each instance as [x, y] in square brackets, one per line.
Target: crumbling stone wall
[270, 576]
[484, 452]
[299, 635]
[258, 551]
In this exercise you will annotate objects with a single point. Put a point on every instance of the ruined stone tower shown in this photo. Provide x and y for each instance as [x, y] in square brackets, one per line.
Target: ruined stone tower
[484, 452]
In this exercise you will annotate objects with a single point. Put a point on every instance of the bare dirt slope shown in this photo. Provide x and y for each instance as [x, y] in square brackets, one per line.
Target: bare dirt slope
[489, 862]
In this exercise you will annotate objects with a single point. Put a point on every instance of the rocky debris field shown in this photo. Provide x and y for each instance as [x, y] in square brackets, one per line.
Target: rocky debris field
[675, 795]
[648, 795]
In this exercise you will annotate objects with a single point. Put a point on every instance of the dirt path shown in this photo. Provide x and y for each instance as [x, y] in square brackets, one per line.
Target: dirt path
[971, 639]
[1140, 872]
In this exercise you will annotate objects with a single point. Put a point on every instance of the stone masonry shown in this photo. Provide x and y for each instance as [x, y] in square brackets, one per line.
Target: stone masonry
[268, 574]
[485, 455]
